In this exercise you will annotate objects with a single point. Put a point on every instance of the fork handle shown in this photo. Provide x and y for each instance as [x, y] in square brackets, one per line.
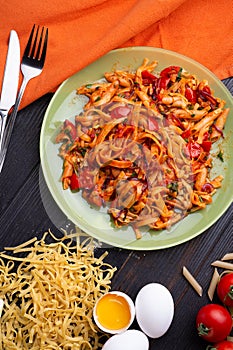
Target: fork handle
[10, 124]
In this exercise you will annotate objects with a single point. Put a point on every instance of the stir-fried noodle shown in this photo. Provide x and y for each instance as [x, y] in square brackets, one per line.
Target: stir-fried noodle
[142, 146]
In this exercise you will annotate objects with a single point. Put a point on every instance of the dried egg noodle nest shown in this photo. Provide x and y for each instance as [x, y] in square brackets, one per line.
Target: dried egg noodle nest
[49, 297]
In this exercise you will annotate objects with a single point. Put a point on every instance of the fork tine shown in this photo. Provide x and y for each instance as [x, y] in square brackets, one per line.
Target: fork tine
[34, 44]
[42, 59]
[28, 47]
[34, 51]
[39, 45]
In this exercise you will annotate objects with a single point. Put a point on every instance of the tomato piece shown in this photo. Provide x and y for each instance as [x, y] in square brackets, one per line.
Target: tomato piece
[74, 183]
[186, 134]
[213, 323]
[194, 149]
[225, 289]
[191, 94]
[206, 145]
[223, 345]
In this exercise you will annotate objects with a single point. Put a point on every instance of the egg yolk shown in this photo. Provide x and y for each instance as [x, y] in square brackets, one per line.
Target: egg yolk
[113, 312]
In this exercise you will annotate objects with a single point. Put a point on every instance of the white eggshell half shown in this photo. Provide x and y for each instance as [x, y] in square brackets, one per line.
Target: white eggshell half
[154, 307]
[131, 339]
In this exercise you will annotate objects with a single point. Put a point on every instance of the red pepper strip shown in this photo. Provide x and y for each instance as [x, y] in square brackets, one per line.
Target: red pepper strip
[194, 149]
[147, 75]
[74, 183]
[166, 72]
[70, 128]
[164, 79]
[162, 83]
[190, 94]
[206, 88]
[148, 78]
[153, 124]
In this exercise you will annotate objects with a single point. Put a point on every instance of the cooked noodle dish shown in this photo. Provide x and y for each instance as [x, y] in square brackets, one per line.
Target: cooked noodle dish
[142, 146]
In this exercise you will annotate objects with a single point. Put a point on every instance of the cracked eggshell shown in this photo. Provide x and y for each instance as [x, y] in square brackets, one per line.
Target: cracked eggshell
[154, 307]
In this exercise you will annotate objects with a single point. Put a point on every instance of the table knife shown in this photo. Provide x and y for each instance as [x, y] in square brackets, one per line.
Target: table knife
[10, 82]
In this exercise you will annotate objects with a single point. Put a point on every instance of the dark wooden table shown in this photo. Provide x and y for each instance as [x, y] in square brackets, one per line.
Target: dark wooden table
[27, 210]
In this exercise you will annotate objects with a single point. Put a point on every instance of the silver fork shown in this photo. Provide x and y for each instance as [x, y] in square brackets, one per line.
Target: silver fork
[31, 66]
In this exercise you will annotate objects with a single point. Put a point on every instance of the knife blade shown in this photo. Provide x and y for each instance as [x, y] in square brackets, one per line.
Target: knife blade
[10, 81]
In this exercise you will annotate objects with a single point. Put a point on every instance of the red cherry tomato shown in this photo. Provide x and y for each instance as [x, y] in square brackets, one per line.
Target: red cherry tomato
[213, 323]
[223, 345]
[225, 289]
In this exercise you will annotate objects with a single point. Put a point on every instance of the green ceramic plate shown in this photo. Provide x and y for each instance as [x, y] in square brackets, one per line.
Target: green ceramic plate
[65, 104]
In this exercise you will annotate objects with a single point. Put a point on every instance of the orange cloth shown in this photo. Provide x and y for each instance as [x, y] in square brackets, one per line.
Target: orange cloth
[82, 31]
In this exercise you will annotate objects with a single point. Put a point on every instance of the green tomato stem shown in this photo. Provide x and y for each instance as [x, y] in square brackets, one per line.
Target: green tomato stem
[202, 329]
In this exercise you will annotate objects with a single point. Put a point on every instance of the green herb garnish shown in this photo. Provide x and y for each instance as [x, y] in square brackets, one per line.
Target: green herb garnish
[220, 156]
[173, 186]
[88, 86]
